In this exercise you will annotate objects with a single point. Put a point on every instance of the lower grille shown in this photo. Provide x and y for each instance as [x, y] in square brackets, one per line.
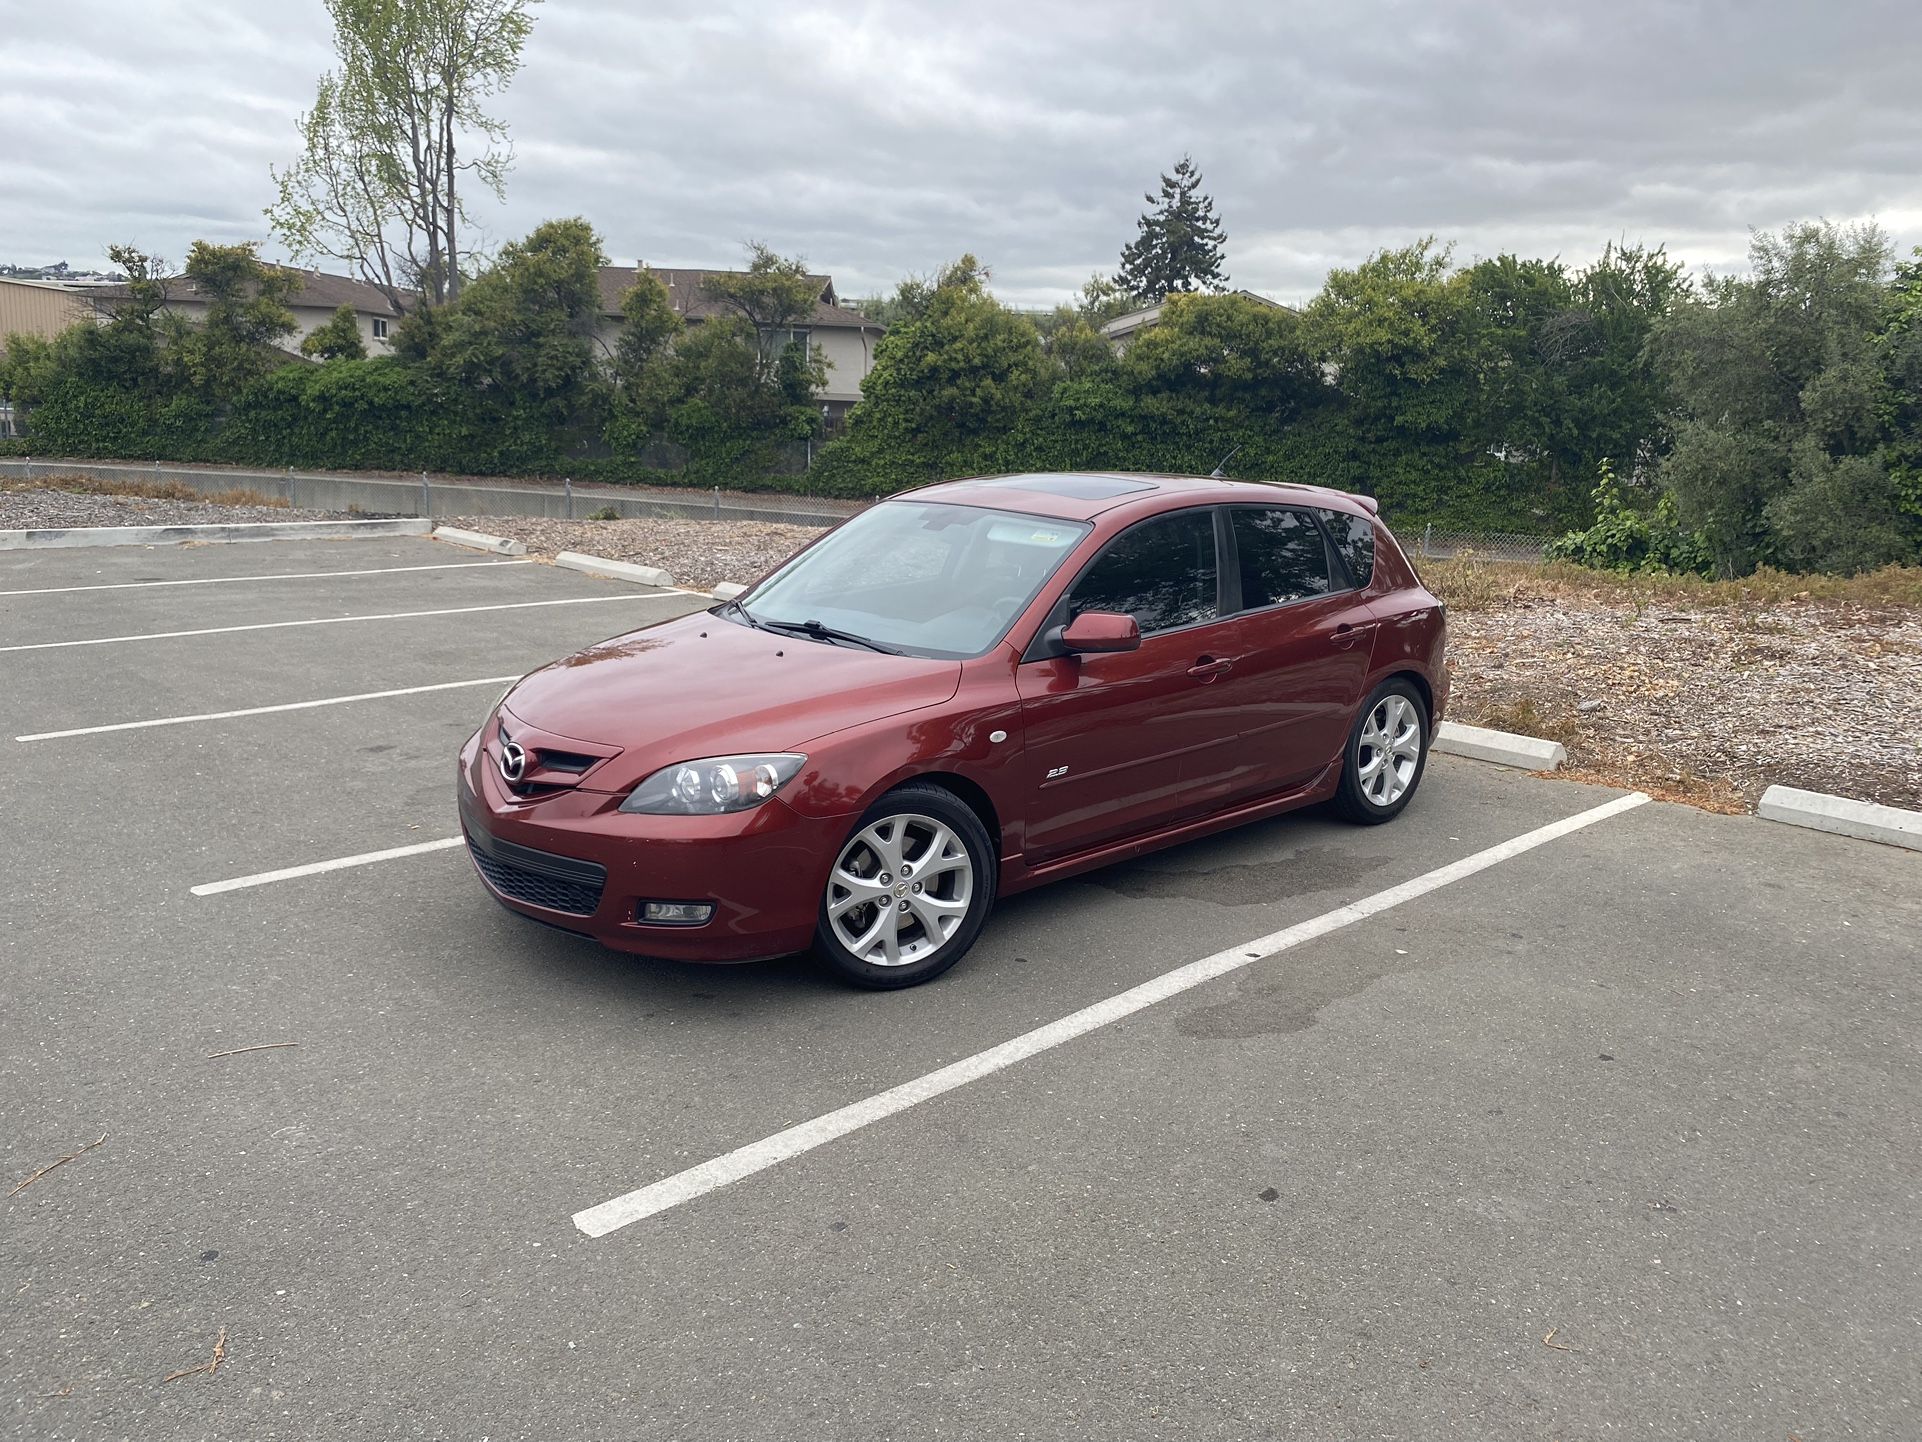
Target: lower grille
[557, 883]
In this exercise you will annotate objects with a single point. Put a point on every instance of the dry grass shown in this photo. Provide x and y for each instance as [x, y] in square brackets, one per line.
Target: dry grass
[145, 490]
[1522, 716]
[1469, 583]
[1706, 793]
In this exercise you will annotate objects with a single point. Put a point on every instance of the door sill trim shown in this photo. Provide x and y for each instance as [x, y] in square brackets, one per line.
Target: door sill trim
[1320, 788]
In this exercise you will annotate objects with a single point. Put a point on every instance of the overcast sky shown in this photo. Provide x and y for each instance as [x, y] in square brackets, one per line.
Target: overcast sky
[878, 139]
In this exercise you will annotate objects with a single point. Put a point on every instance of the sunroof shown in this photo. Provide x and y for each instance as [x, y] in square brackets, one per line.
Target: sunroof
[1084, 488]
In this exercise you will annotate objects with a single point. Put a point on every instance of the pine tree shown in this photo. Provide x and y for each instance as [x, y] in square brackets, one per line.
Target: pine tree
[1180, 245]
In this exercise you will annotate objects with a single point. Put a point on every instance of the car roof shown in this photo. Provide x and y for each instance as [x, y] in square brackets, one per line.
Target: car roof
[1083, 495]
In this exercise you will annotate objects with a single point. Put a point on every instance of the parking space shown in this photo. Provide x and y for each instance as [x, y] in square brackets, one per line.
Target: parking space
[1651, 1083]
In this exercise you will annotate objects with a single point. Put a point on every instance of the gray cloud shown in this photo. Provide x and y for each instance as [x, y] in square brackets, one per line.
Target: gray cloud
[883, 138]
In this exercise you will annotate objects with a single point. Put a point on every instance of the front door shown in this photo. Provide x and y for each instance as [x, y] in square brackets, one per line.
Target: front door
[1122, 743]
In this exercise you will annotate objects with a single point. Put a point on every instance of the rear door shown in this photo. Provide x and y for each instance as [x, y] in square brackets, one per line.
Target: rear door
[1302, 633]
[1122, 743]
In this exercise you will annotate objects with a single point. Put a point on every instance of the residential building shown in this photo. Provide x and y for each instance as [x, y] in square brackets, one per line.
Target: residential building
[1123, 330]
[846, 339]
[315, 298]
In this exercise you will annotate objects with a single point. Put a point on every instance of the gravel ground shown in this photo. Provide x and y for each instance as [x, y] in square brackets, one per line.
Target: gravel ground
[1714, 703]
[22, 510]
[700, 554]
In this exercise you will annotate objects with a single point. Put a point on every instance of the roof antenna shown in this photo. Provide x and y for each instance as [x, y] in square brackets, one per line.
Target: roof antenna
[1217, 474]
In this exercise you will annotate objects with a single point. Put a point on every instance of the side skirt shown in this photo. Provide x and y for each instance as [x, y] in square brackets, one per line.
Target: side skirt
[1016, 875]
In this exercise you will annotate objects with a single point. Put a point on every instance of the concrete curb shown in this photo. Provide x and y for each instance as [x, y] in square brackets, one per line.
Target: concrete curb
[1504, 748]
[180, 535]
[727, 590]
[1818, 811]
[477, 541]
[614, 570]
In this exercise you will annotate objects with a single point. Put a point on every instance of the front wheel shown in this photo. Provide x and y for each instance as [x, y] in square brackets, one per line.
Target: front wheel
[909, 891]
[1387, 752]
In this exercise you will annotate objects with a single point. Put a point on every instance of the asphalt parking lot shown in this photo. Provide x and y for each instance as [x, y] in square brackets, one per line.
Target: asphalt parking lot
[1654, 1084]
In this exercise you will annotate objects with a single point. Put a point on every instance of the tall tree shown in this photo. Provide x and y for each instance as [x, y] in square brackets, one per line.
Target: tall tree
[1180, 245]
[648, 327]
[246, 315]
[396, 134]
[961, 373]
[523, 333]
[775, 295]
[1779, 385]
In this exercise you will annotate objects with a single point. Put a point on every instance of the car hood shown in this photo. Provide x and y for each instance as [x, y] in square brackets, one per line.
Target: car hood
[703, 686]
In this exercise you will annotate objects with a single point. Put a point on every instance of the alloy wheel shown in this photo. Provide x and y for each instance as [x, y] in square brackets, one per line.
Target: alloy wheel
[900, 890]
[1389, 751]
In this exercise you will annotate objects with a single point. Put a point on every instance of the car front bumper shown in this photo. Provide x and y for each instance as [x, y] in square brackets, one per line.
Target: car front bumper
[575, 861]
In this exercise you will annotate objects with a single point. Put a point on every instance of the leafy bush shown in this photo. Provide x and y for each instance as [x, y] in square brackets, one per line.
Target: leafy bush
[1623, 539]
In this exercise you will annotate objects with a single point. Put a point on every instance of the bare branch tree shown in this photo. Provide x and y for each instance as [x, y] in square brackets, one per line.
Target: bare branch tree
[395, 133]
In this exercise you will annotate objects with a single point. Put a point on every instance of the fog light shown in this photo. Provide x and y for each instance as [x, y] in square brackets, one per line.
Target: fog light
[676, 913]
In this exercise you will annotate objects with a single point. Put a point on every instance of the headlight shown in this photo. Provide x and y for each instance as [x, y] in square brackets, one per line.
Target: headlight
[713, 785]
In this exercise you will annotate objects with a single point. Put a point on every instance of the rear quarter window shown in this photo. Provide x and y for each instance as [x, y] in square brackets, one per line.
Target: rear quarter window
[1354, 540]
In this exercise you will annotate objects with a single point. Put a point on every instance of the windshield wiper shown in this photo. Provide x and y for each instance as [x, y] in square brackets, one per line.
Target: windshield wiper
[820, 632]
[736, 608]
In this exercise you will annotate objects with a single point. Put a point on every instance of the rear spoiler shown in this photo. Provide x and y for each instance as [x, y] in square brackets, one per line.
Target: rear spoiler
[1367, 503]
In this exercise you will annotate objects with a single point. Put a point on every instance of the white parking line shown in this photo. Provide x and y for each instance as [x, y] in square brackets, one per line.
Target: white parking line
[336, 621]
[314, 868]
[782, 1146]
[282, 576]
[263, 710]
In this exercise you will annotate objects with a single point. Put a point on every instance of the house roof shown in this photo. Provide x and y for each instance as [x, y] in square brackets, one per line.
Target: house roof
[687, 294]
[315, 288]
[1134, 320]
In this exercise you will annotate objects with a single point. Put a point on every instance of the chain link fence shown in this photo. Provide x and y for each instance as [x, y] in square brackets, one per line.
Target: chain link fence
[1438, 543]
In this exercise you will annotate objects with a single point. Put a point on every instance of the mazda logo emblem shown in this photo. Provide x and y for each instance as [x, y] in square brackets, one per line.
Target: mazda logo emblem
[513, 762]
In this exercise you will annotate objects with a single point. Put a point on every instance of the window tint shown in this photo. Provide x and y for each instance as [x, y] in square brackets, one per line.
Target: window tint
[1283, 557]
[1162, 573]
[1354, 538]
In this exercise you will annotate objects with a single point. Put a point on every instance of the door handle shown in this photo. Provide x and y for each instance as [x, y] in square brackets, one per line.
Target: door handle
[1347, 633]
[1209, 667]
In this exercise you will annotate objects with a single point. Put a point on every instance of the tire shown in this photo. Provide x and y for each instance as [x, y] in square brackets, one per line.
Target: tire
[1394, 722]
[913, 828]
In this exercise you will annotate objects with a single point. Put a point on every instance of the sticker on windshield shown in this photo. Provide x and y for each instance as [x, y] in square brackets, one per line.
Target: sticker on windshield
[1026, 533]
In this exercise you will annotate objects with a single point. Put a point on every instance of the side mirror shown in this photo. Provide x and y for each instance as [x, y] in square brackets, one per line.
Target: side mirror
[1094, 631]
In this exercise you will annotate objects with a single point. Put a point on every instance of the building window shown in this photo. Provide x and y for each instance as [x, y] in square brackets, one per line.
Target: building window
[380, 329]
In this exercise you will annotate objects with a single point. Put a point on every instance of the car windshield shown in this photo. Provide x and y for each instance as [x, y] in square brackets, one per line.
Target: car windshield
[923, 578]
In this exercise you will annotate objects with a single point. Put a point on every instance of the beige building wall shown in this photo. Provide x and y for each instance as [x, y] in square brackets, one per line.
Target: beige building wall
[849, 355]
[38, 309]
[307, 320]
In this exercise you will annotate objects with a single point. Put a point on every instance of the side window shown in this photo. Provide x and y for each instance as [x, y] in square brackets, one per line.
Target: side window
[1283, 557]
[1354, 538]
[1162, 573]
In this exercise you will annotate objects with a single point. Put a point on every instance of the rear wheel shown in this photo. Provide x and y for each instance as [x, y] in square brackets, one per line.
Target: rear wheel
[909, 891]
[1387, 752]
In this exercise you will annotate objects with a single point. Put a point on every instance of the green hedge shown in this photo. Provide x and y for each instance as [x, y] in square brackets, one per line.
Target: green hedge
[384, 414]
[1091, 425]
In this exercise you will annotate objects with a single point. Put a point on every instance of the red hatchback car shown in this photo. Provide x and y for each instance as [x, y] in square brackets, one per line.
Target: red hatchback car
[965, 691]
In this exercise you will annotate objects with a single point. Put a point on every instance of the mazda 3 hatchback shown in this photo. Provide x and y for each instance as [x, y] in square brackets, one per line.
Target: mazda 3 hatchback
[964, 691]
